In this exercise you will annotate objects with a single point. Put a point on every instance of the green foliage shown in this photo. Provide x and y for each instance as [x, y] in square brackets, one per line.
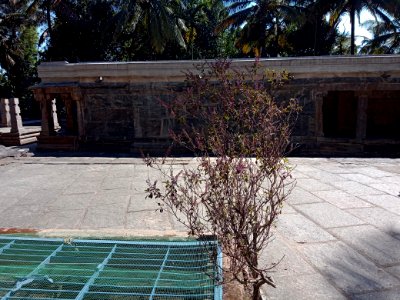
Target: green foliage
[114, 30]
[279, 28]
[380, 9]
[18, 53]
[82, 31]
[284, 27]
[23, 74]
[385, 40]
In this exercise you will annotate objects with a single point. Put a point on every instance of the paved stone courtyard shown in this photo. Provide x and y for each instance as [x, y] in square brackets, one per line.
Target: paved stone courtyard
[338, 236]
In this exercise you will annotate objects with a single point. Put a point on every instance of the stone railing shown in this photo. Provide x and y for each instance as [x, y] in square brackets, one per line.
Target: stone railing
[13, 132]
[5, 113]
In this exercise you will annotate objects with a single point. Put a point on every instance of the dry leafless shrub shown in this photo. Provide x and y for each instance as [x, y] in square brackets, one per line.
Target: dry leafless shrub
[235, 192]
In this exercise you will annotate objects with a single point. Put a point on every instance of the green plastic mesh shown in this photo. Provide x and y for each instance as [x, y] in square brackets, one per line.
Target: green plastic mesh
[32, 268]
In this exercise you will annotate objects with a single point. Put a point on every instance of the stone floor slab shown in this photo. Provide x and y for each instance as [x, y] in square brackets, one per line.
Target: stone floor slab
[111, 183]
[384, 200]
[64, 218]
[150, 220]
[377, 245]
[372, 172]
[299, 195]
[391, 179]
[394, 270]
[356, 189]
[285, 259]
[23, 217]
[347, 269]
[395, 210]
[393, 294]
[108, 199]
[104, 217]
[390, 188]
[379, 217]
[68, 202]
[360, 178]
[68, 193]
[327, 215]
[342, 199]
[305, 287]
[311, 185]
[301, 230]
[83, 186]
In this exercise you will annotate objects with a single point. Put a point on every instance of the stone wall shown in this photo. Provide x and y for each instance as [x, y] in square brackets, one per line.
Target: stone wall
[117, 105]
[119, 115]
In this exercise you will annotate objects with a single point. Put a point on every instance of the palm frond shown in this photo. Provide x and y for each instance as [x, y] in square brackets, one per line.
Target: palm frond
[237, 19]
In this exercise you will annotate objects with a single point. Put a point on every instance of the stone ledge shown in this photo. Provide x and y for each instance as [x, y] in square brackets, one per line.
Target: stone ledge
[173, 71]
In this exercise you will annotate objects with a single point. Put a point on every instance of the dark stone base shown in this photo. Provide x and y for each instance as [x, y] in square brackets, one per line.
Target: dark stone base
[66, 143]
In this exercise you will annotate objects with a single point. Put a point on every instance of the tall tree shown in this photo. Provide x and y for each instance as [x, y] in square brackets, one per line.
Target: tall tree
[380, 9]
[157, 17]
[262, 24]
[47, 10]
[84, 31]
[201, 17]
[18, 50]
[14, 17]
[385, 40]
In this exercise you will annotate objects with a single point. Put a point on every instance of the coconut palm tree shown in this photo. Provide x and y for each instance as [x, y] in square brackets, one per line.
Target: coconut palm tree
[385, 40]
[14, 17]
[157, 17]
[201, 17]
[262, 23]
[380, 9]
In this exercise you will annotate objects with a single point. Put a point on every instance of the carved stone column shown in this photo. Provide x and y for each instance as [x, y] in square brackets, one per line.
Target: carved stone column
[76, 95]
[54, 114]
[45, 118]
[361, 131]
[15, 115]
[46, 123]
[46, 105]
[70, 109]
[5, 113]
[319, 115]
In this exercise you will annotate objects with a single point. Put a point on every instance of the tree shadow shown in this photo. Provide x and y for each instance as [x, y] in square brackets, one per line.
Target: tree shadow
[362, 266]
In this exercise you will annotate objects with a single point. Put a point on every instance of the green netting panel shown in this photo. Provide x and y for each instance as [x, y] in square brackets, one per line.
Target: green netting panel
[33, 268]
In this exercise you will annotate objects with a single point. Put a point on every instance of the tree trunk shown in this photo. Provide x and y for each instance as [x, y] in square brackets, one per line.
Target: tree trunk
[353, 25]
[256, 292]
[254, 261]
[48, 17]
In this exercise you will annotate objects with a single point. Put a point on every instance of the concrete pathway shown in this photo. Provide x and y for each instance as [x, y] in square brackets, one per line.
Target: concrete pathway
[338, 236]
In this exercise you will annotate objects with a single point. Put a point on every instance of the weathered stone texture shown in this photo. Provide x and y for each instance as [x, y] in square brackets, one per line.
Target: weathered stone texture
[349, 104]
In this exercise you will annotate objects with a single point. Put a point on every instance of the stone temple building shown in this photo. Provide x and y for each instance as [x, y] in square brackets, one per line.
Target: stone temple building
[351, 105]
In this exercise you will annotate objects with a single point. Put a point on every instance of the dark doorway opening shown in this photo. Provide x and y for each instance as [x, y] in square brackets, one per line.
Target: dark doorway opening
[339, 111]
[383, 115]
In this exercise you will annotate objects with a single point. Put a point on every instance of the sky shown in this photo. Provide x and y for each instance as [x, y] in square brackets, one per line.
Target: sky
[360, 31]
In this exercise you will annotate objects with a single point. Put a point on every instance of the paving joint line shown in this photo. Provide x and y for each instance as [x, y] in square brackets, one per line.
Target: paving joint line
[289, 243]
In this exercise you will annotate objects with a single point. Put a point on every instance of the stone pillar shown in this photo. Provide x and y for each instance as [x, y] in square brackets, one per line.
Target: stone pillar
[48, 128]
[78, 98]
[71, 122]
[54, 114]
[319, 116]
[15, 114]
[49, 111]
[361, 131]
[45, 118]
[5, 113]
